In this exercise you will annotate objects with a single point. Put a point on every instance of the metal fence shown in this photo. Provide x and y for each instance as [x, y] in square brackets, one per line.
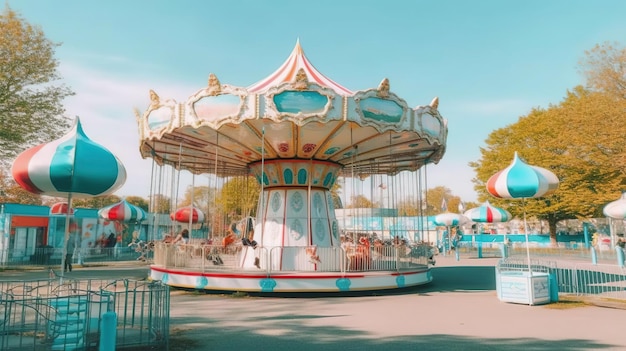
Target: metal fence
[578, 253]
[65, 314]
[576, 278]
[44, 256]
[302, 259]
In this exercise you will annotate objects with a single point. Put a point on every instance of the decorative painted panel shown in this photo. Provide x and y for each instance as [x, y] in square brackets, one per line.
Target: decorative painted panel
[297, 203]
[160, 118]
[288, 176]
[297, 232]
[321, 232]
[272, 232]
[381, 110]
[213, 108]
[297, 173]
[276, 204]
[300, 102]
[431, 125]
[319, 208]
[302, 176]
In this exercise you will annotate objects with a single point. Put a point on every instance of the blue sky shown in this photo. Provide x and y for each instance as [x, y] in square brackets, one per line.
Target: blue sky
[489, 62]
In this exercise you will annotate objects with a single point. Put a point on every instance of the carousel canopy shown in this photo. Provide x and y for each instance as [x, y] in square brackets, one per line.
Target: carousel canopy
[520, 180]
[295, 113]
[182, 215]
[123, 211]
[73, 164]
[616, 209]
[486, 213]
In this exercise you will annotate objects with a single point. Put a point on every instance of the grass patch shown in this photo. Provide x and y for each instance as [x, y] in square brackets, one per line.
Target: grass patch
[567, 304]
[179, 342]
[240, 294]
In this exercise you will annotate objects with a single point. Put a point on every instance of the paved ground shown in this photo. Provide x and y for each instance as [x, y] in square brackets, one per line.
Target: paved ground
[458, 311]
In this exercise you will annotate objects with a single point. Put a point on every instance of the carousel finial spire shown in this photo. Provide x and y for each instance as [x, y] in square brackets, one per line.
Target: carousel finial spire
[435, 103]
[298, 48]
[287, 71]
[215, 88]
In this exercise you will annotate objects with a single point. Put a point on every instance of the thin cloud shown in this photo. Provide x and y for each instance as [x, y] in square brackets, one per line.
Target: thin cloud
[494, 107]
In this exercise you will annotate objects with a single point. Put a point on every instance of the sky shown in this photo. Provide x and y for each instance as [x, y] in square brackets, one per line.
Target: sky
[489, 62]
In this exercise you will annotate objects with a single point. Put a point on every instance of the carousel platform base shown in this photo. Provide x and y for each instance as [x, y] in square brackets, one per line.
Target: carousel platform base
[291, 282]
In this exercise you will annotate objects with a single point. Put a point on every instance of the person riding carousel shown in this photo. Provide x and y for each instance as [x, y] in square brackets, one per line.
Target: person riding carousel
[227, 242]
[231, 236]
[249, 239]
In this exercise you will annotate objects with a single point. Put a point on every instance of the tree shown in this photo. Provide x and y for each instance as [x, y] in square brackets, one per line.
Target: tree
[360, 201]
[435, 199]
[139, 202]
[30, 102]
[12, 192]
[239, 197]
[580, 140]
[204, 200]
[161, 204]
[604, 66]
[407, 208]
[97, 202]
[335, 194]
[432, 205]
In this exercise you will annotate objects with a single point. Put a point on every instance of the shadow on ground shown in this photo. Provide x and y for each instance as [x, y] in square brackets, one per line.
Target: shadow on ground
[295, 333]
[280, 325]
[445, 279]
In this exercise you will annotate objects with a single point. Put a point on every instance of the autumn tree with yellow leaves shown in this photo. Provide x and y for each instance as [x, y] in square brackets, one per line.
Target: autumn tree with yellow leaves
[581, 140]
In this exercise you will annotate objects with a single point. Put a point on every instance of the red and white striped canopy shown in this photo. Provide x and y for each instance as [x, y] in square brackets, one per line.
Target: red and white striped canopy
[123, 211]
[616, 209]
[287, 73]
[486, 213]
[60, 208]
[520, 180]
[182, 215]
[72, 164]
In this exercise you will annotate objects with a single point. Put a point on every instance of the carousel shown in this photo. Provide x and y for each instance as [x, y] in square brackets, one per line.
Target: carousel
[297, 132]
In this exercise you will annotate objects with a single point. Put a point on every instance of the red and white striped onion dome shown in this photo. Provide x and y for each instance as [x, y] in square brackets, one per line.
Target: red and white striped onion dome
[72, 164]
[287, 73]
[60, 208]
[521, 180]
[450, 219]
[616, 209]
[487, 213]
[182, 215]
[123, 212]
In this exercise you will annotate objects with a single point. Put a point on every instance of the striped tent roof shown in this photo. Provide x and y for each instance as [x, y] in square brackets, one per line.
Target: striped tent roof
[287, 73]
[123, 211]
[450, 219]
[60, 208]
[521, 180]
[616, 209]
[487, 213]
[182, 215]
[72, 164]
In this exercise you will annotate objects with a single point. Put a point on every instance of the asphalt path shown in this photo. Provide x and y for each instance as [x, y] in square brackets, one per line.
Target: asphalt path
[121, 270]
[459, 310]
